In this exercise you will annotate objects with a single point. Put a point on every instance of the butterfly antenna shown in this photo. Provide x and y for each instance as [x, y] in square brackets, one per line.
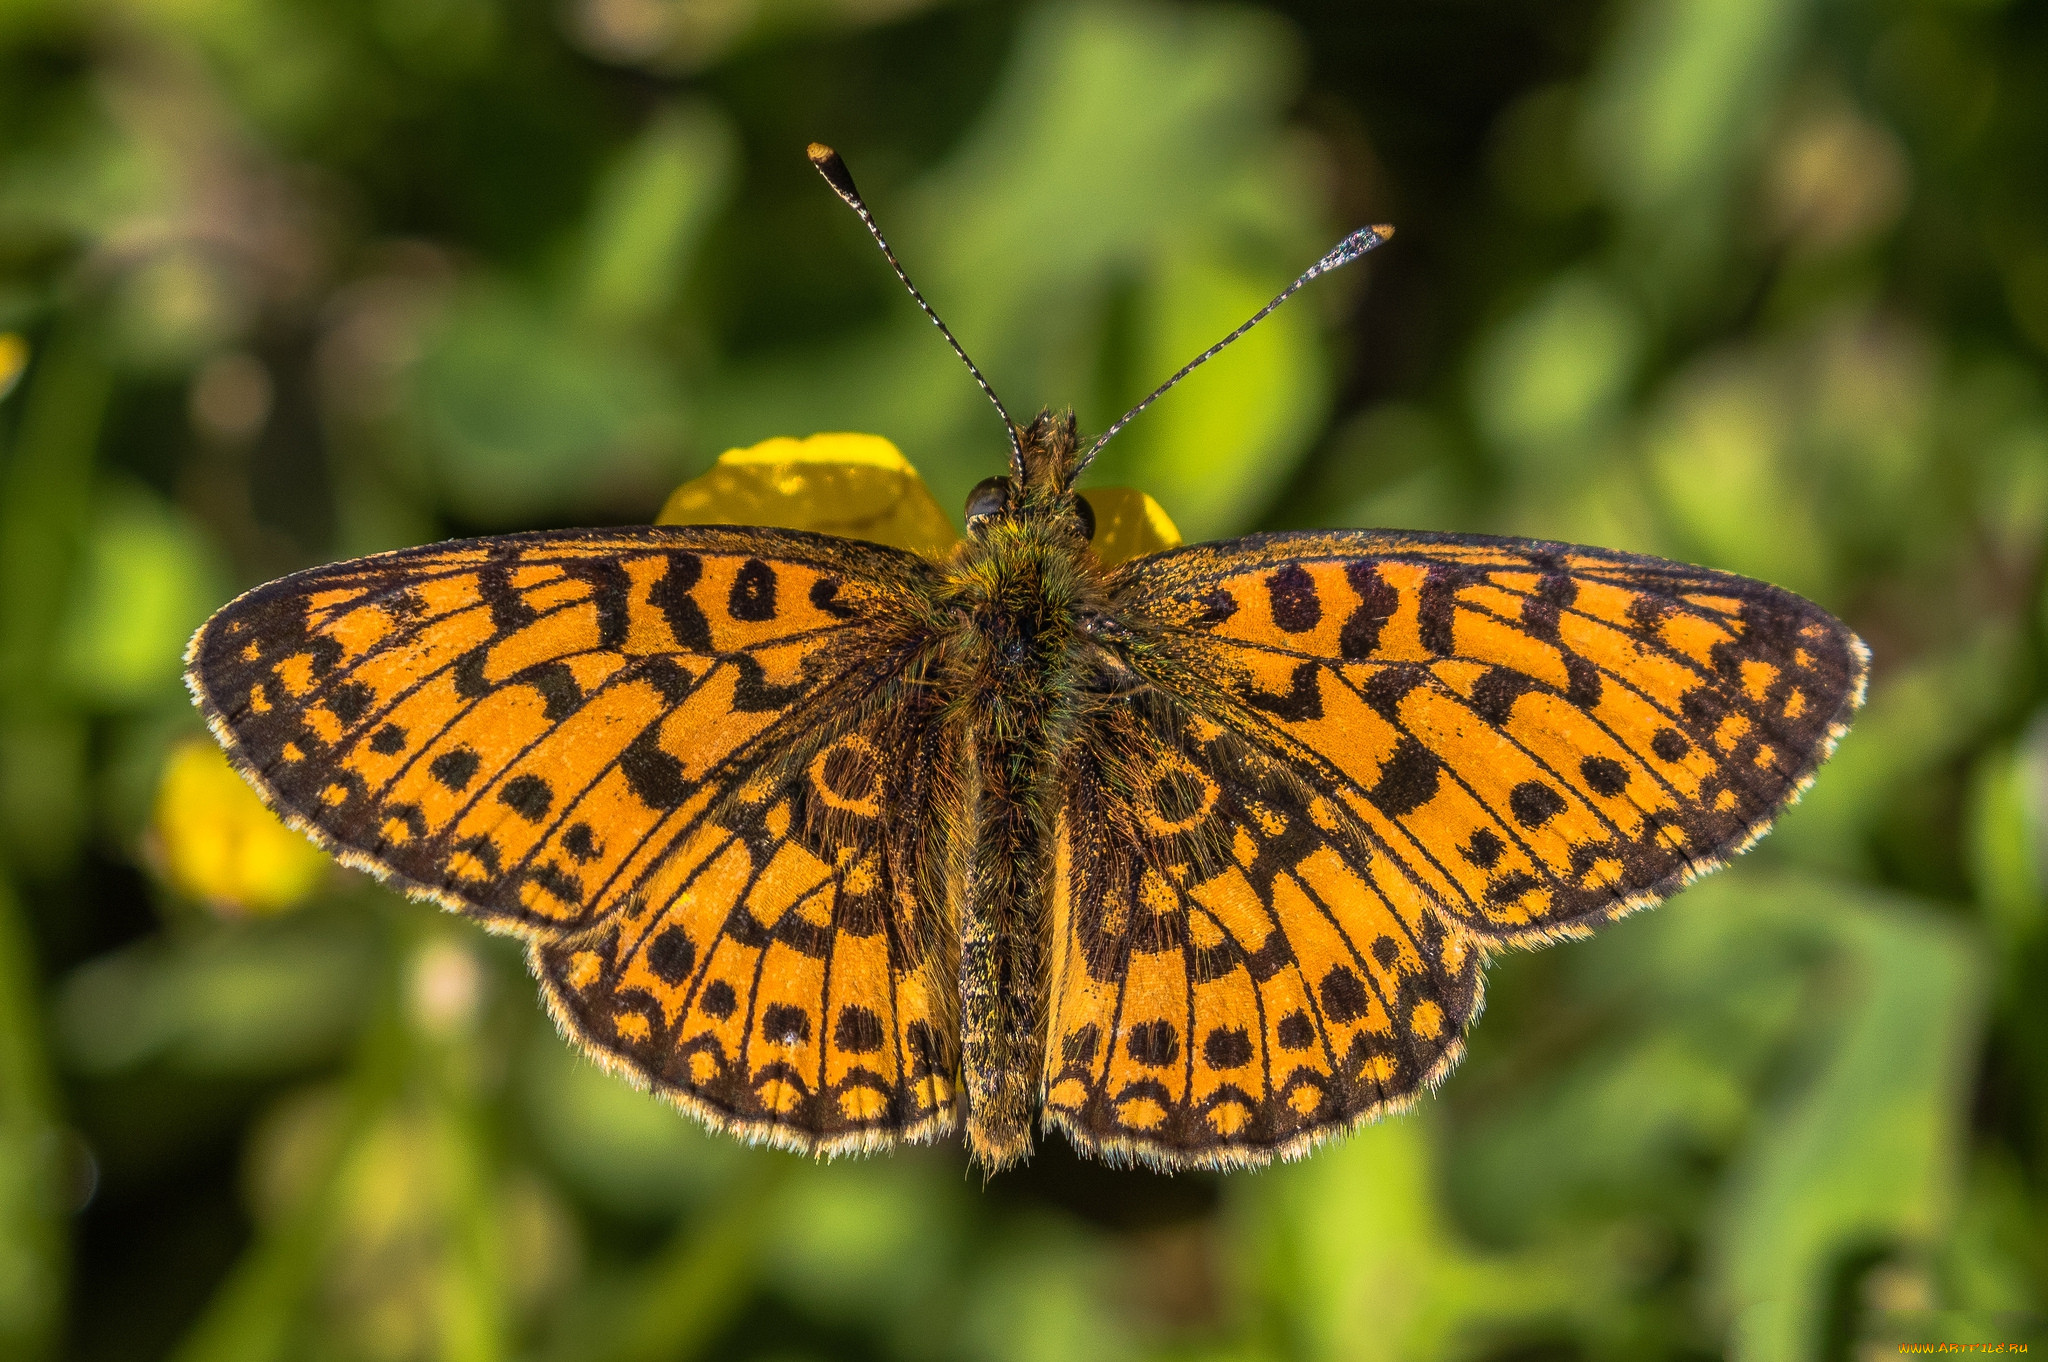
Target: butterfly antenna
[1342, 254]
[840, 178]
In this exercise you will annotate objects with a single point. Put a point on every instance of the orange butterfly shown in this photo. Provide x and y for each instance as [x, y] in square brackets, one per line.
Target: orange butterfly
[1195, 856]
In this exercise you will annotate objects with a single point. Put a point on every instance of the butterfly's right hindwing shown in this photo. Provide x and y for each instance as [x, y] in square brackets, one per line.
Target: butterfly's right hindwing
[777, 974]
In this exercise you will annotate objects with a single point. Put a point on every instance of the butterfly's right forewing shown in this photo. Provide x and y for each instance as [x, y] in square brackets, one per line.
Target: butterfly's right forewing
[663, 755]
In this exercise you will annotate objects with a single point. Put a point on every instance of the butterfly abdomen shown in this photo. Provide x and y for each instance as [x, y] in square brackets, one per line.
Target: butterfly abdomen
[1018, 658]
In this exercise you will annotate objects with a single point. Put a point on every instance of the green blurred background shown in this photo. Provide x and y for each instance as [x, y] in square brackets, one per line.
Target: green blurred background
[1761, 284]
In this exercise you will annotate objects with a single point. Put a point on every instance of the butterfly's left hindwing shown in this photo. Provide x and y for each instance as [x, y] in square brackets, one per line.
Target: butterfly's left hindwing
[628, 742]
[1236, 973]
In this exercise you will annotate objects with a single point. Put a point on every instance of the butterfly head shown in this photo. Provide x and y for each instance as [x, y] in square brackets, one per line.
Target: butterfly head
[1050, 449]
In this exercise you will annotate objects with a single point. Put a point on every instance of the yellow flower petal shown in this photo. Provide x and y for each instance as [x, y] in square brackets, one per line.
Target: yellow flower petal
[1128, 523]
[220, 845]
[862, 487]
[859, 486]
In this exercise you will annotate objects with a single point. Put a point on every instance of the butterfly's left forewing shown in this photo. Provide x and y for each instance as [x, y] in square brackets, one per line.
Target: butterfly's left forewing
[1547, 736]
[644, 750]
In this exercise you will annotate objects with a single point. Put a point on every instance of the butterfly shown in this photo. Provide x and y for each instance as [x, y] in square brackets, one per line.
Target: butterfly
[1196, 857]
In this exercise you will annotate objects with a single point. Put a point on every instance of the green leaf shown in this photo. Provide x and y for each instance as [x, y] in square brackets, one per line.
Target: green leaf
[220, 999]
[1358, 1257]
[651, 213]
[529, 419]
[1863, 1146]
[149, 578]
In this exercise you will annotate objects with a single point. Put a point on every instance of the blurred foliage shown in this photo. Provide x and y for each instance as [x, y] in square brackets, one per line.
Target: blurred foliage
[1756, 283]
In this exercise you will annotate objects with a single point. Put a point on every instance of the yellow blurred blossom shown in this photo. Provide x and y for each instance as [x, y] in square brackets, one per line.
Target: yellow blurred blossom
[862, 487]
[1128, 523]
[13, 359]
[859, 486]
[218, 844]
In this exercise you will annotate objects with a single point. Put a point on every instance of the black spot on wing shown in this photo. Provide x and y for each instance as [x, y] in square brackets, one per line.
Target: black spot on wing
[579, 841]
[1388, 685]
[1291, 593]
[670, 594]
[1216, 608]
[782, 1024]
[509, 610]
[468, 673]
[1378, 601]
[350, 700]
[1604, 775]
[1439, 608]
[825, 596]
[752, 597]
[669, 679]
[1484, 849]
[1533, 803]
[1343, 994]
[858, 1031]
[455, 768]
[610, 590]
[1154, 1043]
[1407, 781]
[528, 796]
[1493, 698]
[656, 777]
[754, 693]
[557, 687]
[557, 881]
[1227, 1047]
[672, 955]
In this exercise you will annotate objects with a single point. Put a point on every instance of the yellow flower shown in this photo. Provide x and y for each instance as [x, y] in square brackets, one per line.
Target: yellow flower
[13, 359]
[218, 844]
[862, 487]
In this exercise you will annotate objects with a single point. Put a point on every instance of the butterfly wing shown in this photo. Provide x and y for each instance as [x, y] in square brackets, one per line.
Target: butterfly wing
[1479, 741]
[1235, 971]
[662, 755]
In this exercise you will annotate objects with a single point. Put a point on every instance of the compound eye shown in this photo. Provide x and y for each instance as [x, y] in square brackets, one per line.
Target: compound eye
[1087, 514]
[990, 496]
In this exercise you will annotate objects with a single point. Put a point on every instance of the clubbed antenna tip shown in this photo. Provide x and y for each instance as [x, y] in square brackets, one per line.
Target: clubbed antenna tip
[840, 178]
[833, 168]
[1340, 255]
